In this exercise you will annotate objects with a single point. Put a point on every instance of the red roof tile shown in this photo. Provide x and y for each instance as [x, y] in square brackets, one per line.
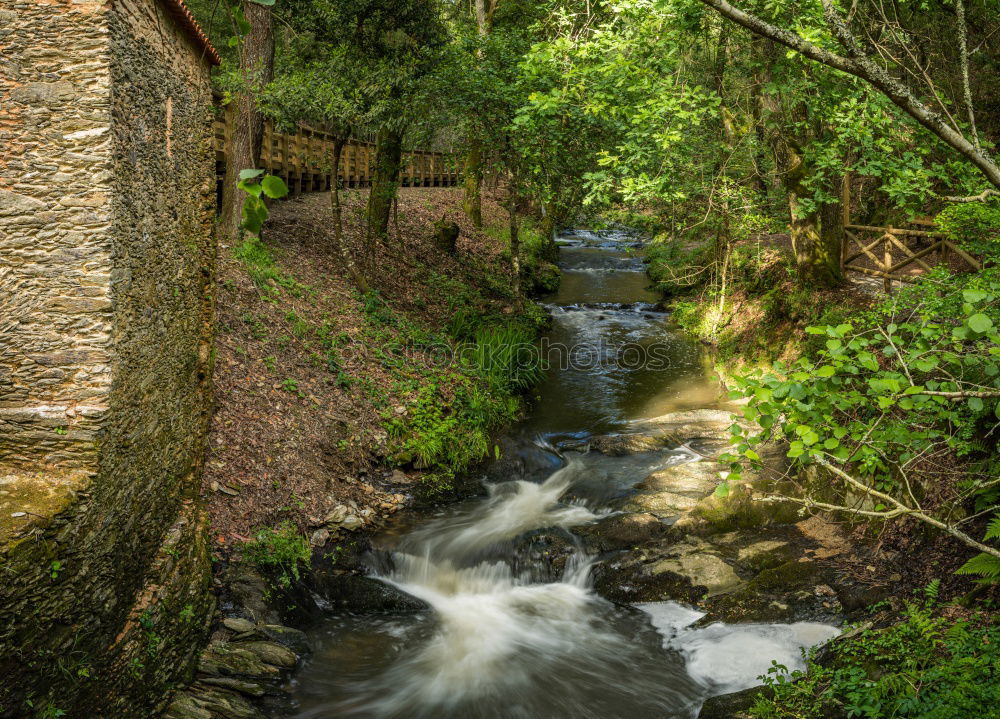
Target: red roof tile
[186, 20]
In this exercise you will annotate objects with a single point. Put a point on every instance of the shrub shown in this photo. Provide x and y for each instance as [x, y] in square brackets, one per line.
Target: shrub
[279, 552]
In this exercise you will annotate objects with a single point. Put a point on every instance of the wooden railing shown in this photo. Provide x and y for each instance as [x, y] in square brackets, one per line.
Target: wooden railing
[898, 253]
[304, 161]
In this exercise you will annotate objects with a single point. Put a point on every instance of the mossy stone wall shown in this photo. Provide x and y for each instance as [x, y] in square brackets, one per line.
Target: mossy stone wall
[106, 198]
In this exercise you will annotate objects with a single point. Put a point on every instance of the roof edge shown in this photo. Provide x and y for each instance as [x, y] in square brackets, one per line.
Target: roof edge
[185, 19]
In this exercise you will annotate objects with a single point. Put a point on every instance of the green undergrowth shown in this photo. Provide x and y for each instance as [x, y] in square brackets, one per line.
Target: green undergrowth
[281, 554]
[258, 259]
[458, 384]
[760, 315]
[924, 666]
[539, 274]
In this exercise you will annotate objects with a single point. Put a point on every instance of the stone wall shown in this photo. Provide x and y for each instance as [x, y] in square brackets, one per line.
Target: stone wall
[106, 272]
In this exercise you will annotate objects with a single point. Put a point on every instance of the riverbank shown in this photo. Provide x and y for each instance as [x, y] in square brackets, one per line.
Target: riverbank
[335, 409]
[321, 391]
[758, 317]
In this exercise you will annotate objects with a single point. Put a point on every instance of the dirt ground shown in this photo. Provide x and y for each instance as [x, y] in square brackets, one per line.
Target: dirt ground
[292, 436]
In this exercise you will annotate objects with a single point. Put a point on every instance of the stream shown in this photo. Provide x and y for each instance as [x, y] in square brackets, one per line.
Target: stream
[511, 634]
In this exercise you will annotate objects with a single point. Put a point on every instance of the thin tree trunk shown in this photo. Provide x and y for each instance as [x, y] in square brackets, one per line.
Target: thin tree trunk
[963, 54]
[338, 222]
[385, 180]
[247, 131]
[831, 229]
[817, 256]
[472, 181]
[515, 242]
[758, 107]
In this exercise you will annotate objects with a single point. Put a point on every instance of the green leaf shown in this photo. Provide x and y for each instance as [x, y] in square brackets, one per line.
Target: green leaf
[274, 187]
[722, 489]
[975, 404]
[251, 188]
[831, 443]
[249, 174]
[826, 371]
[974, 296]
[979, 323]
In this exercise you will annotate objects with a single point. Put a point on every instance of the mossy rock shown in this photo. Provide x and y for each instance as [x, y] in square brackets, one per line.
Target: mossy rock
[446, 233]
[738, 509]
[784, 593]
[541, 277]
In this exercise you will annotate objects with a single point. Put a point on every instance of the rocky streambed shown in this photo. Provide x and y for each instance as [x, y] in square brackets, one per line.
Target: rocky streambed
[598, 573]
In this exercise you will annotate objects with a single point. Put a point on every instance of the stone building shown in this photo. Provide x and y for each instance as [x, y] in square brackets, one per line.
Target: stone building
[106, 275]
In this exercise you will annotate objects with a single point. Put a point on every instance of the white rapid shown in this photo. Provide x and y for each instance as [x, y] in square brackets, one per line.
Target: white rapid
[512, 629]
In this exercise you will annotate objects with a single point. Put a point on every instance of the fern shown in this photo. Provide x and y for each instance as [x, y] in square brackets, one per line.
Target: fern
[993, 528]
[985, 565]
[932, 590]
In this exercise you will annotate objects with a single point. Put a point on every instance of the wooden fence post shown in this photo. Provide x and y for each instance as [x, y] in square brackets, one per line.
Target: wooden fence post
[887, 259]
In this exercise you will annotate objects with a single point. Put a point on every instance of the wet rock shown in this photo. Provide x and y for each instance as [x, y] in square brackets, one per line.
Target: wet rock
[223, 659]
[857, 596]
[249, 593]
[766, 554]
[186, 706]
[621, 531]
[357, 594]
[618, 445]
[239, 625]
[543, 554]
[337, 515]
[660, 504]
[738, 509]
[352, 522]
[224, 704]
[701, 569]
[271, 653]
[732, 706]
[252, 689]
[627, 580]
[293, 639]
[692, 479]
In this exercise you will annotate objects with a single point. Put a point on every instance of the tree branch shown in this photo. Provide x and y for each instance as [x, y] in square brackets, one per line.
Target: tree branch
[963, 53]
[981, 197]
[902, 509]
[861, 66]
[962, 395]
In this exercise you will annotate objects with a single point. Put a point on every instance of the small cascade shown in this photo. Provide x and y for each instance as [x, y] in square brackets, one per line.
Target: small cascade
[510, 632]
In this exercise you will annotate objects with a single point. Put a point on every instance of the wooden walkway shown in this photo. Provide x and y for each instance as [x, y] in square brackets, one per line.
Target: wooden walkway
[303, 161]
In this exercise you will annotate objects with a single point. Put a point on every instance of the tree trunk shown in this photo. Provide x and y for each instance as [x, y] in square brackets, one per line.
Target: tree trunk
[385, 180]
[758, 112]
[472, 180]
[247, 130]
[831, 229]
[515, 242]
[817, 253]
[547, 229]
[338, 223]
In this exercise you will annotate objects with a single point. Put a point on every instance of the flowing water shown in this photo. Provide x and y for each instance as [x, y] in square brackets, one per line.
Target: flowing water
[504, 638]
